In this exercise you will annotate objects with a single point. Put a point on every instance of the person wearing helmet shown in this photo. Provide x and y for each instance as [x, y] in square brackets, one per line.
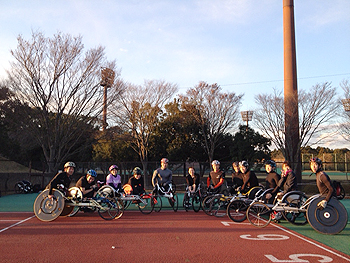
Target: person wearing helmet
[249, 177]
[323, 182]
[216, 178]
[136, 182]
[114, 179]
[62, 178]
[237, 177]
[271, 180]
[163, 176]
[87, 184]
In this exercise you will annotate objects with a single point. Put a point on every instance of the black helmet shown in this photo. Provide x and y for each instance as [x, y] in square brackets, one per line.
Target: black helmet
[137, 170]
[318, 161]
[270, 162]
[243, 163]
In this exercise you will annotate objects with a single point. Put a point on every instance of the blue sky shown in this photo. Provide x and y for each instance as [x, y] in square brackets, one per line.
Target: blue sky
[237, 44]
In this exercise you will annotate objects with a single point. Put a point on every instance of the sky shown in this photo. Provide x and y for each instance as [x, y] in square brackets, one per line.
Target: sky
[237, 44]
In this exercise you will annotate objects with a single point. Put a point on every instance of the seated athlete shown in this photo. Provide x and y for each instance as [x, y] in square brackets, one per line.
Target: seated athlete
[323, 182]
[136, 182]
[114, 179]
[192, 180]
[215, 181]
[87, 184]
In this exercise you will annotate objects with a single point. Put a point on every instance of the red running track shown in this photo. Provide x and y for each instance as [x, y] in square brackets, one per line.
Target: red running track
[159, 237]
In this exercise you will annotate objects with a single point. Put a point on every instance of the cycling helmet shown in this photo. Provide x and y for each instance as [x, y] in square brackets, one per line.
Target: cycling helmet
[243, 163]
[164, 160]
[92, 173]
[215, 162]
[69, 164]
[318, 161]
[270, 162]
[137, 170]
[113, 167]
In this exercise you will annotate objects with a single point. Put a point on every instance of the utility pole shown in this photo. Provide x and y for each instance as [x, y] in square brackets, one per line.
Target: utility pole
[292, 139]
[107, 80]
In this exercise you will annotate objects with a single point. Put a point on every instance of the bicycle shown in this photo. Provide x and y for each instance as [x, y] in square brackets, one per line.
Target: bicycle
[159, 192]
[193, 200]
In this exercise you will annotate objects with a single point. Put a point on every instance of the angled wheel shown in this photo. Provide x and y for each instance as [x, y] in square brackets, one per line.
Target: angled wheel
[259, 214]
[330, 220]
[295, 200]
[146, 205]
[47, 209]
[196, 203]
[106, 191]
[109, 209]
[19, 188]
[237, 210]
[157, 200]
[218, 206]
[186, 202]
[174, 202]
[74, 196]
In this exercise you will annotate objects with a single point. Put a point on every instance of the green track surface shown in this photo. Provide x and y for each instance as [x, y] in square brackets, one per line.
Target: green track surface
[340, 242]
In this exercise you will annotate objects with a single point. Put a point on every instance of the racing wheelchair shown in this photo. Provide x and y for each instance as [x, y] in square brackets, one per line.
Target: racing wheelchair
[298, 210]
[159, 192]
[193, 200]
[69, 202]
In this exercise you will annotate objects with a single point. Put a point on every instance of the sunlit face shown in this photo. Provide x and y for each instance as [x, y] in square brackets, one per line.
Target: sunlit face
[137, 176]
[216, 167]
[163, 165]
[243, 168]
[69, 170]
[114, 171]
[90, 178]
[268, 168]
[236, 168]
[314, 167]
[191, 171]
[285, 167]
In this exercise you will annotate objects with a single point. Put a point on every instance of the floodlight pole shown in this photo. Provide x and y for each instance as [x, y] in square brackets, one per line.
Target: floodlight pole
[247, 117]
[292, 139]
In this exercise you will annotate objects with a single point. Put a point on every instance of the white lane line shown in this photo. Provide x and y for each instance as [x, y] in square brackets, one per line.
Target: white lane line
[20, 222]
[311, 242]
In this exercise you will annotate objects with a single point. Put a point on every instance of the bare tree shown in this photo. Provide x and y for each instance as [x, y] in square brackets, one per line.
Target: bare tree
[55, 77]
[316, 107]
[216, 112]
[138, 110]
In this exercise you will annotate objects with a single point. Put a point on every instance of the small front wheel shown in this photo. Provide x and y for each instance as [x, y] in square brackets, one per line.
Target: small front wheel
[259, 214]
[174, 202]
[196, 203]
[146, 204]
[110, 208]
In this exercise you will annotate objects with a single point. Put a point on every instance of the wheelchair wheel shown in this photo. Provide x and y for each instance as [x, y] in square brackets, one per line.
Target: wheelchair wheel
[218, 206]
[259, 214]
[196, 203]
[174, 202]
[295, 200]
[157, 200]
[237, 210]
[19, 188]
[106, 191]
[46, 209]
[206, 204]
[74, 196]
[186, 202]
[330, 220]
[110, 208]
[147, 204]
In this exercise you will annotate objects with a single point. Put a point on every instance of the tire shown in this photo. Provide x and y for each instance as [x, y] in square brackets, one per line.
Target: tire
[174, 202]
[75, 211]
[186, 202]
[46, 209]
[110, 209]
[237, 210]
[330, 220]
[295, 200]
[206, 205]
[19, 188]
[218, 206]
[147, 204]
[259, 214]
[196, 203]
[157, 200]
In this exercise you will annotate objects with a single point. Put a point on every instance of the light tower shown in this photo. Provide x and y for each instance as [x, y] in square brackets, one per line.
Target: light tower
[247, 116]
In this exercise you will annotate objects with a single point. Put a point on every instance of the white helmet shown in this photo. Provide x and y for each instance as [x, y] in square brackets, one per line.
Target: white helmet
[69, 164]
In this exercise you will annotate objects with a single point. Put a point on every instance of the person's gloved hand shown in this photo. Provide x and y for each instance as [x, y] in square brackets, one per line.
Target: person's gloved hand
[322, 204]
